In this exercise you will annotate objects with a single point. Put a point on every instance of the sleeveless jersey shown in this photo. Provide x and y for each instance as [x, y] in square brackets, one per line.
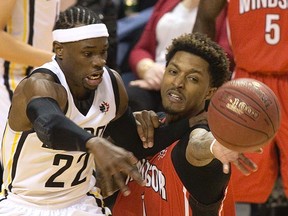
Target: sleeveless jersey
[55, 178]
[258, 31]
[164, 193]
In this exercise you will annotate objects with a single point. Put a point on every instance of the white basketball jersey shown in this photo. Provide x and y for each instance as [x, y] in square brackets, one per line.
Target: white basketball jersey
[54, 178]
[32, 22]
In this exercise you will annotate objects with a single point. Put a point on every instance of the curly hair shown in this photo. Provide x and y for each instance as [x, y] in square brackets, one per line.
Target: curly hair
[200, 45]
[76, 16]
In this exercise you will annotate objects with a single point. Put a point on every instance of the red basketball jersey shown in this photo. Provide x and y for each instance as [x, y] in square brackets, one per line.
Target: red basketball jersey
[164, 193]
[259, 35]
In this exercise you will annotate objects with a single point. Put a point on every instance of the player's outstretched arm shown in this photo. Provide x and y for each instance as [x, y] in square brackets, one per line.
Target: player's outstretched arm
[40, 103]
[202, 149]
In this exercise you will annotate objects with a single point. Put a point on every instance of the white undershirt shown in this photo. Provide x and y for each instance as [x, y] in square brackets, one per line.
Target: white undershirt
[172, 24]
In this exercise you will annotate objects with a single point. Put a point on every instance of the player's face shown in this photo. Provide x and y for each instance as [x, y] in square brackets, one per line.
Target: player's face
[83, 62]
[185, 84]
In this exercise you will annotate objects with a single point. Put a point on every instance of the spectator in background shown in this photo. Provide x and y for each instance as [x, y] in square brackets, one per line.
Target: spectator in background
[258, 31]
[170, 18]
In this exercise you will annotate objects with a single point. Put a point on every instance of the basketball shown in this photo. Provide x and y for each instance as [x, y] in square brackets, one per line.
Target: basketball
[244, 115]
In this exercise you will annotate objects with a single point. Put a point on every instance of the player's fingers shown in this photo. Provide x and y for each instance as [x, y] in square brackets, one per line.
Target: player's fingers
[119, 180]
[131, 159]
[241, 167]
[141, 128]
[248, 163]
[155, 119]
[226, 168]
[146, 118]
[146, 122]
[134, 174]
[152, 123]
[141, 133]
[131, 170]
[106, 184]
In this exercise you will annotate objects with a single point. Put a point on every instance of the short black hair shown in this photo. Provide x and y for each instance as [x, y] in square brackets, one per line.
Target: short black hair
[76, 16]
[200, 45]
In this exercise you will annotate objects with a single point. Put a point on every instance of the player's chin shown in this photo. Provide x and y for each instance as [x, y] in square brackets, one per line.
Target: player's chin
[91, 87]
[173, 108]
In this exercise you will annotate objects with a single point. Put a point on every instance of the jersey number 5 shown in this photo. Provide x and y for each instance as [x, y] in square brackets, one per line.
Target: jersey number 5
[272, 29]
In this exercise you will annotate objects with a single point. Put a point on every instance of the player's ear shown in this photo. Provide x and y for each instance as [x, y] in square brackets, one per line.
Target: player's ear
[210, 93]
[58, 49]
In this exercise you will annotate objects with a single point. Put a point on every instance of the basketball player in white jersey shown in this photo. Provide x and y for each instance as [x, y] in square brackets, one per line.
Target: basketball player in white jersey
[58, 114]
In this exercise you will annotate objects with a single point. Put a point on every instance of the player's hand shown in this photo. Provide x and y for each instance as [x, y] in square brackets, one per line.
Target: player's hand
[113, 161]
[146, 122]
[226, 156]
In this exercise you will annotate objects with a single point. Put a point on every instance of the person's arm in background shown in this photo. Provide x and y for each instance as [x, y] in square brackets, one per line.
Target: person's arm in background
[208, 11]
[14, 50]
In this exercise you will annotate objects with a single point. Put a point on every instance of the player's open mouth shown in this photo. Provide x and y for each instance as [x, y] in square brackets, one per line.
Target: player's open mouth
[95, 76]
[94, 79]
[174, 97]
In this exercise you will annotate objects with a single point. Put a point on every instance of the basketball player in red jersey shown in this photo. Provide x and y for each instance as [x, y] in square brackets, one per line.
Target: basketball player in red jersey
[184, 178]
[258, 34]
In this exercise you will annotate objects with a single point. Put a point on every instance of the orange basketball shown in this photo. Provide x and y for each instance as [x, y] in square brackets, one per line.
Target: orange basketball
[244, 114]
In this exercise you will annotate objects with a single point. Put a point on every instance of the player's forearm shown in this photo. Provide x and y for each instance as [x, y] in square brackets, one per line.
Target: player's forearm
[17, 51]
[53, 128]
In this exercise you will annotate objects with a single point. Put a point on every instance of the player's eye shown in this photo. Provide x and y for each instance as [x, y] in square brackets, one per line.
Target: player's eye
[192, 78]
[172, 71]
[87, 54]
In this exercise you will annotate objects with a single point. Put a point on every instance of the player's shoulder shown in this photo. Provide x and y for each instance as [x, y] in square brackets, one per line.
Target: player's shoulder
[121, 97]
